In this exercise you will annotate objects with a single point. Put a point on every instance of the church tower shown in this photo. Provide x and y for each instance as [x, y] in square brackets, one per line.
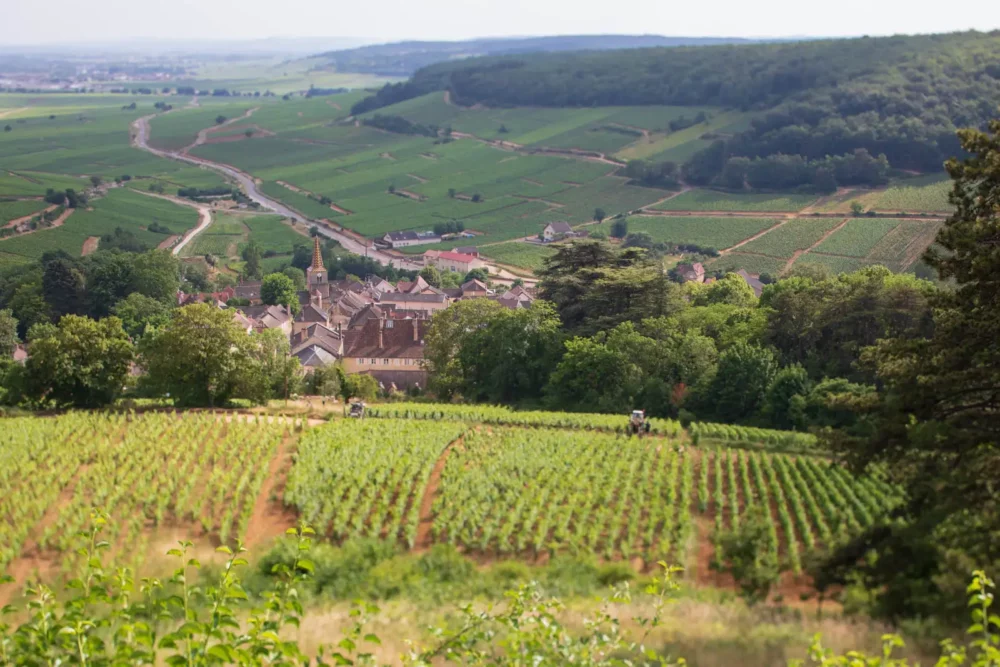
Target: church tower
[316, 273]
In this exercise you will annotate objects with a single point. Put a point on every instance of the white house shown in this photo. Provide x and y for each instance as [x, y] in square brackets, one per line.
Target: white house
[556, 230]
[403, 239]
[455, 262]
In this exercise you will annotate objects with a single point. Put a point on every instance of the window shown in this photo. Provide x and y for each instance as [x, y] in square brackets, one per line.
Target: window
[374, 361]
[388, 324]
[385, 362]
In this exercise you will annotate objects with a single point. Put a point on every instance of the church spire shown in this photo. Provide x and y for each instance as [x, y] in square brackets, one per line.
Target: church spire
[316, 273]
[317, 263]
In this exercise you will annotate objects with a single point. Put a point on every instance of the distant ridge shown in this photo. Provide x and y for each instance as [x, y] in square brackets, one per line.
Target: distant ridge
[405, 58]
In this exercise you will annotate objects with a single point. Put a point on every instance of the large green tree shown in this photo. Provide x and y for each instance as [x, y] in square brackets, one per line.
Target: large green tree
[509, 359]
[448, 331]
[938, 416]
[201, 357]
[278, 289]
[79, 362]
[139, 312]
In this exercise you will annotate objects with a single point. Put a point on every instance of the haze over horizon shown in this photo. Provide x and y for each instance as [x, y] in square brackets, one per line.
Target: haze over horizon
[110, 21]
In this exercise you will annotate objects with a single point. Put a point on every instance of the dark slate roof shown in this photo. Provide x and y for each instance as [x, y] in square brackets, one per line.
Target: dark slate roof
[248, 290]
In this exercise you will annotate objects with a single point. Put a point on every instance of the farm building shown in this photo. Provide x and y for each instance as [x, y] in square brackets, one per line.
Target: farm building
[555, 231]
[424, 303]
[455, 262]
[691, 272]
[391, 351]
[404, 239]
[756, 285]
[468, 250]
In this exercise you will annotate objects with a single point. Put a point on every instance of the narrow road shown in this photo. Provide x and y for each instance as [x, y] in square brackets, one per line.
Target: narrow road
[204, 220]
[140, 139]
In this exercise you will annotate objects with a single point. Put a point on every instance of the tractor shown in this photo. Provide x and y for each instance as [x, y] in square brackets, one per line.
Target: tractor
[357, 410]
[637, 423]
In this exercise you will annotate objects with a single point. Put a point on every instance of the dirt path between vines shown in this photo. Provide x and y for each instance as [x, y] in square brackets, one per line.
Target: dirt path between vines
[90, 245]
[17, 221]
[798, 253]
[755, 236]
[423, 539]
[271, 518]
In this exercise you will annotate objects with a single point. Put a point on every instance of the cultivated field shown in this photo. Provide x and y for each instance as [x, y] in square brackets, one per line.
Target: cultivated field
[121, 207]
[151, 472]
[522, 255]
[710, 200]
[921, 194]
[494, 482]
[718, 232]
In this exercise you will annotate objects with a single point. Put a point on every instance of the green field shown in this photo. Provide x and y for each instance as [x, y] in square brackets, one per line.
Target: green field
[919, 194]
[12, 210]
[797, 234]
[858, 237]
[710, 200]
[229, 231]
[718, 233]
[681, 145]
[120, 208]
[523, 255]
[754, 264]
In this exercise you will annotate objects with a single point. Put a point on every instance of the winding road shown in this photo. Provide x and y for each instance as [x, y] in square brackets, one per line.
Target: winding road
[140, 139]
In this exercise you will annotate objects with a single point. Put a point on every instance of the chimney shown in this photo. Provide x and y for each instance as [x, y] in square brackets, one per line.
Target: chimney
[416, 332]
[381, 325]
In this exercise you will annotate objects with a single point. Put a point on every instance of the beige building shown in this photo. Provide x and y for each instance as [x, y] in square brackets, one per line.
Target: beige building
[451, 261]
[391, 351]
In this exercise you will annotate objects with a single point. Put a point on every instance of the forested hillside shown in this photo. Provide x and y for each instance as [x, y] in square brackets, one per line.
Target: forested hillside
[404, 58]
[902, 97]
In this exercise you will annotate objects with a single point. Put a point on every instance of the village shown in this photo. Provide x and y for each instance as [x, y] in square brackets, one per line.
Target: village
[370, 326]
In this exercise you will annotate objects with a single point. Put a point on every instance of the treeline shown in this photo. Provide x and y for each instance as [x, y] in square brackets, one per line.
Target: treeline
[194, 193]
[400, 125]
[785, 172]
[902, 97]
[612, 332]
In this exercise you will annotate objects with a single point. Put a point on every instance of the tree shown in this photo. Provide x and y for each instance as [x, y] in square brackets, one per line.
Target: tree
[601, 374]
[277, 289]
[619, 228]
[476, 198]
[157, 275]
[252, 254]
[139, 312]
[8, 333]
[248, 134]
[431, 276]
[280, 371]
[297, 275]
[749, 554]
[937, 418]
[639, 240]
[451, 193]
[599, 214]
[731, 289]
[857, 209]
[786, 399]
[7, 128]
[220, 119]
[63, 286]
[448, 331]
[96, 181]
[737, 391]
[79, 362]
[200, 357]
[108, 281]
[481, 274]
[510, 358]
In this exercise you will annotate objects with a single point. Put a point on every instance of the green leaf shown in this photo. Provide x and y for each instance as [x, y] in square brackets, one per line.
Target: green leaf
[307, 565]
[373, 639]
[347, 644]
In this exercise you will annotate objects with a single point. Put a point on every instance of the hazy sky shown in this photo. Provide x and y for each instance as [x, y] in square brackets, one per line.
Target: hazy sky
[54, 21]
